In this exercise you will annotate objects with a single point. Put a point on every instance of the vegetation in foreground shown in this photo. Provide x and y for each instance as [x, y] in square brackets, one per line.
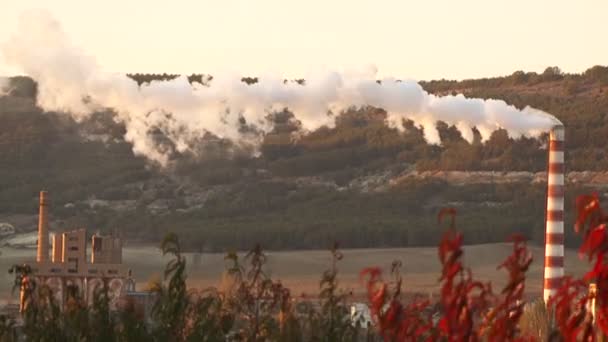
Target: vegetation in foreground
[254, 307]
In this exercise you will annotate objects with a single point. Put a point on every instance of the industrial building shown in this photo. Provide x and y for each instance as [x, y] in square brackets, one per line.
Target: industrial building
[69, 264]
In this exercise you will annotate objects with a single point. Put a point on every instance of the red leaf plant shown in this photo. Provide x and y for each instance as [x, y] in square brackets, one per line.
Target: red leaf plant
[395, 321]
[589, 212]
[463, 300]
[502, 321]
[469, 309]
[573, 319]
[571, 315]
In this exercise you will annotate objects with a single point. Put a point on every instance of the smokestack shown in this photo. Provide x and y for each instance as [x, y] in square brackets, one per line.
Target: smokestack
[43, 230]
[554, 232]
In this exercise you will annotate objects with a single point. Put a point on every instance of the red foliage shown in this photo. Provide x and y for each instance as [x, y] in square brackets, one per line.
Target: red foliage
[395, 321]
[571, 314]
[502, 322]
[464, 300]
[591, 220]
[469, 309]
[570, 302]
[589, 212]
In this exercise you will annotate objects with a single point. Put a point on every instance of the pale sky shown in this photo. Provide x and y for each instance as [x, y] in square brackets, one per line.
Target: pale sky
[424, 39]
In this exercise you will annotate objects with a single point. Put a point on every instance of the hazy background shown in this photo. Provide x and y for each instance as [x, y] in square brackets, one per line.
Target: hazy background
[418, 39]
[301, 270]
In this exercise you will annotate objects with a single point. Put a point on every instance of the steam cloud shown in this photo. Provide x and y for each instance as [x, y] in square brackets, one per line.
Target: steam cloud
[4, 86]
[71, 81]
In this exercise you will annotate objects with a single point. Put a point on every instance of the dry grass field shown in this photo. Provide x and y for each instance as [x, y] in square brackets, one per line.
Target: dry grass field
[301, 270]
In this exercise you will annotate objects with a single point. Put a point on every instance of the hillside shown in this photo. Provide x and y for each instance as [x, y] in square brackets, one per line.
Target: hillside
[361, 182]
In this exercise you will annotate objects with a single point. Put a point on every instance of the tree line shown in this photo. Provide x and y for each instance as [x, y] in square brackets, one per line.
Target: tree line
[47, 150]
[252, 306]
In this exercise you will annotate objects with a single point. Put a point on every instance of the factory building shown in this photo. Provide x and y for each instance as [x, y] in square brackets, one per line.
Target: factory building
[68, 266]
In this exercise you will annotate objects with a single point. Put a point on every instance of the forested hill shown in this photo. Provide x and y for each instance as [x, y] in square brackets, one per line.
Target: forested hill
[361, 182]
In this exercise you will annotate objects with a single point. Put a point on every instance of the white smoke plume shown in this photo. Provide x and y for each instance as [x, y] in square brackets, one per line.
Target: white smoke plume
[71, 81]
[4, 86]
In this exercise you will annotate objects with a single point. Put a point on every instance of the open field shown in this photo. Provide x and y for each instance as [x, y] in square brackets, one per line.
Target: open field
[301, 270]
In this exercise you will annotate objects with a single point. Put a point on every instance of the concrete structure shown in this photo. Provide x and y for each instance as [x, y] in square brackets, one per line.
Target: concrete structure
[554, 231]
[42, 254]
[106, 250]
[69, 266]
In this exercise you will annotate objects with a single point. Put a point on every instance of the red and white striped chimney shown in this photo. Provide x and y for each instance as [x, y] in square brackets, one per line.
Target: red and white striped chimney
[554, 231]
